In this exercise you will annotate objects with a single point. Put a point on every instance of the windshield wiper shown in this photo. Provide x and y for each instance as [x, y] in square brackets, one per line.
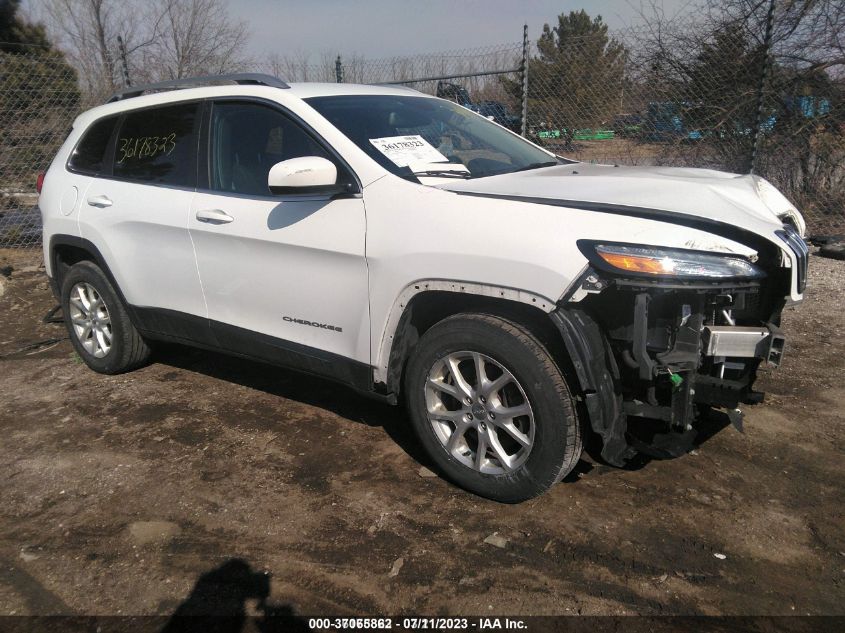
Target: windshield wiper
[439, 170]
[442, 173]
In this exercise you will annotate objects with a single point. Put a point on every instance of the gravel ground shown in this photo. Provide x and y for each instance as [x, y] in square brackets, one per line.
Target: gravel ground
[202, 474]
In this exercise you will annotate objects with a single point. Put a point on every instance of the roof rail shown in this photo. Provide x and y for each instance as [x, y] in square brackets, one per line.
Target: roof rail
[255, 79]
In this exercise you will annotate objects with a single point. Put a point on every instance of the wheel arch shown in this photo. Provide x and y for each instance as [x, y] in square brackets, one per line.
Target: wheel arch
[67, 250]
[426, 302]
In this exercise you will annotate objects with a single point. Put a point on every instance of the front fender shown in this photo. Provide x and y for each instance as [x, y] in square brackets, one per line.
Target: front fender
[403, 300]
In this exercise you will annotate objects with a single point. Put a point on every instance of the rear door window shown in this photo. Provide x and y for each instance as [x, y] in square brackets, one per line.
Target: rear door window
[89, 155]
[159, 145]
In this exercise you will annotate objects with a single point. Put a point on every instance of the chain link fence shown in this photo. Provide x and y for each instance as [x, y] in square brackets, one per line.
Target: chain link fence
[802, 147]
[594, 98]
[467, 76]
[712, 107]
[39, 99]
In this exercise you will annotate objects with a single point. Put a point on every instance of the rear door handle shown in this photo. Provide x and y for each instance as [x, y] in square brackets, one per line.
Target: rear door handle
[100, 201]
[214, 216]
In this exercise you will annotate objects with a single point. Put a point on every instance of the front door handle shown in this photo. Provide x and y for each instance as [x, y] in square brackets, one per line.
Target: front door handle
[100, 201]
[214, 216]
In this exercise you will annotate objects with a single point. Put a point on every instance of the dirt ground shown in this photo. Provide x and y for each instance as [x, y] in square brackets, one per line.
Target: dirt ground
[120, 493]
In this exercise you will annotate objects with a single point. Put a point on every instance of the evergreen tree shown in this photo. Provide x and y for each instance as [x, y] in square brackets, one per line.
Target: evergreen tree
[576, 80]
[15, 32]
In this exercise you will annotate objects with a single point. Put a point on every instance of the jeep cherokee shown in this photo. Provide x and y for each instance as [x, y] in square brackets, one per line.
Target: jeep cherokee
[403, 245]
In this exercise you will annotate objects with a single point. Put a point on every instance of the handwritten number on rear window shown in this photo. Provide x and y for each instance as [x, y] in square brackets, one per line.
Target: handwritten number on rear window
[146, 146]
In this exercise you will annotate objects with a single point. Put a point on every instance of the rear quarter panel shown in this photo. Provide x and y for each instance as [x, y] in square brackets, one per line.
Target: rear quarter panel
[61, 197]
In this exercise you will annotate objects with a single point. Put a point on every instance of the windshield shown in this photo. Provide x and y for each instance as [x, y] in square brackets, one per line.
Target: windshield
[402, 133]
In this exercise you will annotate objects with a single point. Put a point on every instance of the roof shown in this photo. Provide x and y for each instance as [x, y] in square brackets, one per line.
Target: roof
[304, 90]
[300, 90]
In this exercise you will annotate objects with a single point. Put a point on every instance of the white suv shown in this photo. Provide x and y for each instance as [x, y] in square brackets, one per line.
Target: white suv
[410, 248]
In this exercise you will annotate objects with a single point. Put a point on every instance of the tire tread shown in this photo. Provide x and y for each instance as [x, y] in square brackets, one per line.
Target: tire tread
[574, 443]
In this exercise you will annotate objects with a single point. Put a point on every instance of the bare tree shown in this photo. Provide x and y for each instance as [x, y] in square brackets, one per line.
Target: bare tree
[195, 37]
[87, 30]
[164, 39]
[299, 66]
[711, 63]
[811, 34]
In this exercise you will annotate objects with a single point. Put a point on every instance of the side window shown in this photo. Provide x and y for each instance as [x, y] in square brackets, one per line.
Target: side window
[158, 145]
[247, 139]
[89, 155]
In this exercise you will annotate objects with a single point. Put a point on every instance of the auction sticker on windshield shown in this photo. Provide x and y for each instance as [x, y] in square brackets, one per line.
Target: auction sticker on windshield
[403, 150]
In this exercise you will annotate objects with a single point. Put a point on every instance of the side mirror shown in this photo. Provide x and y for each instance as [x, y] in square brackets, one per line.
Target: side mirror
[308, 174]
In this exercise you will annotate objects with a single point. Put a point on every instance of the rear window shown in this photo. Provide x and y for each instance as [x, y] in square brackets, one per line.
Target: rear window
[90, 152]
[158, 145]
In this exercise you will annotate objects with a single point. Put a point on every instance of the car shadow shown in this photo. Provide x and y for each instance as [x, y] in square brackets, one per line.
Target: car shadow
[352, 405]
[293, 211]
[652, 441]
[299, 387]
[218, 604]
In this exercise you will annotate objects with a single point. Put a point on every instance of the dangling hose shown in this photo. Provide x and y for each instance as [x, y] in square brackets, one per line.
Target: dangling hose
[50, 317]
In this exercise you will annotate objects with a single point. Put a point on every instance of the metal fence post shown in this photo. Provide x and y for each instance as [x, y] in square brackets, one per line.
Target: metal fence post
[761, 89]
[523, 67]
[122, 49]
[338, 70]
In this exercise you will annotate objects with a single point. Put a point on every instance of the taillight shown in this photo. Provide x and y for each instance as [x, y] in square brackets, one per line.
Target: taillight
[39, 183]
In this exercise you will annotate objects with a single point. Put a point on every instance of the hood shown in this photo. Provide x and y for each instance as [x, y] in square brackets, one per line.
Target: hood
[714, 195]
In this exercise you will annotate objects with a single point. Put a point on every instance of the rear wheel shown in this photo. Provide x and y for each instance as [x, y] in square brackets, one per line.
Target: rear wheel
[97, 322]
[492, 408]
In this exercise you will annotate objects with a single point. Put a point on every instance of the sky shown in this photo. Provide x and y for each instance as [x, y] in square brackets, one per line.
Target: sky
[392, 28]
[389, 28]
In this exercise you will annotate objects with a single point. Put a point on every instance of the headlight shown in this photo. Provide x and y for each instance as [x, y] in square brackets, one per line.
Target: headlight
[669, 262]
[778, 204]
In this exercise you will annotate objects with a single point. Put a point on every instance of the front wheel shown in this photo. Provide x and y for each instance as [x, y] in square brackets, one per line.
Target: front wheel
[492, 408]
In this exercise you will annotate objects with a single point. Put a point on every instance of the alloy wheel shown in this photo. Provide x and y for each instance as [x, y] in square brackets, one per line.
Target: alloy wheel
[90, 318]
[479, 412]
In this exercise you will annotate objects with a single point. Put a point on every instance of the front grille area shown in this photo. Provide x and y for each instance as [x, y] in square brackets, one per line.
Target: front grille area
[798, 246]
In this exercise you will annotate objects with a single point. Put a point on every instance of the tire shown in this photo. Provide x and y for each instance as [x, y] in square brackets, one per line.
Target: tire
[535, 401]
[97, 322]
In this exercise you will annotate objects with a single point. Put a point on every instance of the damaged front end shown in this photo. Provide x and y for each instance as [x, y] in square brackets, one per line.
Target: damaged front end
[662, 334]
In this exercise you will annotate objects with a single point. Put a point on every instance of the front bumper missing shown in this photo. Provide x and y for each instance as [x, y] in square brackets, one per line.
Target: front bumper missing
[666, 354]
